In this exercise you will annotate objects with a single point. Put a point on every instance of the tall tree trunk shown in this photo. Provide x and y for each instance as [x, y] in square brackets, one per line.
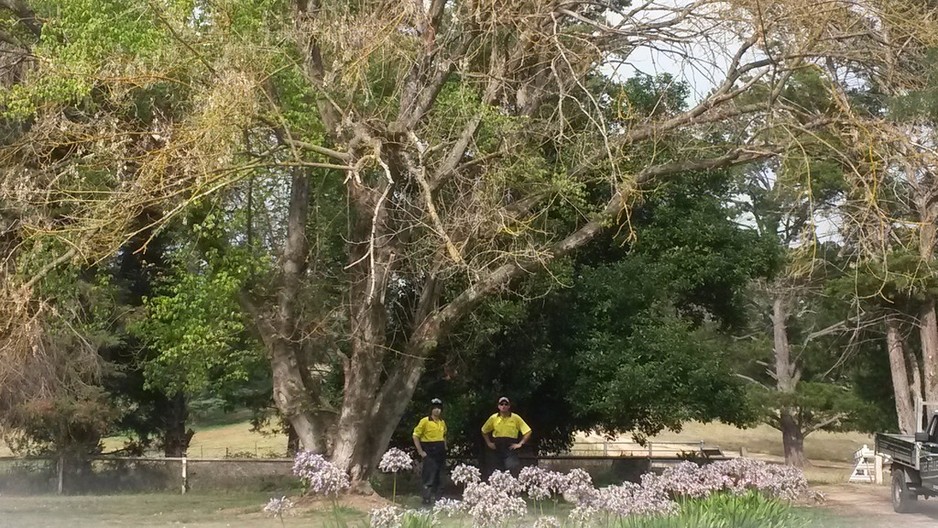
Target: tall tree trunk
[905, 405]
[928, 322]
[293, 441]
[928, 330]
[792, 438]
[295, 394]
[372, 258]
[786, 379]
[176, 436]
[913, 363]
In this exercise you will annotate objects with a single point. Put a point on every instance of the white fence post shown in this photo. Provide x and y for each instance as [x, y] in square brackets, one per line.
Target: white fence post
[185, 475]
[61, 486]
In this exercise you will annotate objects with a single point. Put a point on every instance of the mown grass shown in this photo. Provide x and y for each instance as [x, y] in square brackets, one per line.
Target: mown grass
[765, 440]
[194, 510]
[219, 510]
[761, 440]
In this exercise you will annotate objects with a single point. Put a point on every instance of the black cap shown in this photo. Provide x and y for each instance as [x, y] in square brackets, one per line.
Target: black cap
[436, 402]
[504, 399]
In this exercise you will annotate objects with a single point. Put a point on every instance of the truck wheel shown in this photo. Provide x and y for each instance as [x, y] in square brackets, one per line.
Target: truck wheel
[903, 499]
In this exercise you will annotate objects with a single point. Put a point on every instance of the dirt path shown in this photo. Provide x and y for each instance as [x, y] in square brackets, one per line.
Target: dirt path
[871, 507]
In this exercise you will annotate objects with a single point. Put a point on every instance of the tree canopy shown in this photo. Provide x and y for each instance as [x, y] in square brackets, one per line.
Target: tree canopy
[345, 183]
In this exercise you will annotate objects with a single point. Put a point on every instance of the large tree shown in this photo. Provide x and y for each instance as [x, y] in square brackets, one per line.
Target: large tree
[451, 130]
[626, 336]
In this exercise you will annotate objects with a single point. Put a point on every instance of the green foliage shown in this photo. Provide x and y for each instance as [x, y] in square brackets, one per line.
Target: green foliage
[83, 40]
[635, 339]
[645, 96]
[922, 102]
[196, 325]
[166, 101]
[659, 374]
[72, 424]
[898, 278]
[418, 519]
[751, 510]
[55, 403]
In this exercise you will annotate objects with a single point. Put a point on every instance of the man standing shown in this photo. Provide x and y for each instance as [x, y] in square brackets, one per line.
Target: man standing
[430, 441]
[501, 433]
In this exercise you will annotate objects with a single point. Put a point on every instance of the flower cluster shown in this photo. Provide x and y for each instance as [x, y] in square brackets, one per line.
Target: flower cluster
[687, 480]
[496, 502]
[395, 460]
[279, 507]
[489, 506]
[387, 517]
[320, 476]
[540, 484]
[623, 500]
[504, 482]
[547, 522]
[448, 507]
[577, 486]
[633, 499]
[736, 476]
[463, 474]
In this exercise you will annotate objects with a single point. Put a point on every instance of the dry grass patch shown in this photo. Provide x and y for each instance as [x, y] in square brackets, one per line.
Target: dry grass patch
[760, 440]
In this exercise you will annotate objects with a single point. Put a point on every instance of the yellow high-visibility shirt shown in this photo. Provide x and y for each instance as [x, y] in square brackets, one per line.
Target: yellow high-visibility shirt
[505, 427]
[428, 430]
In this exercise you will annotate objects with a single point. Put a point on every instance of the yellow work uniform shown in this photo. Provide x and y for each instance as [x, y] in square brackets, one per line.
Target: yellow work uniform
[428, 430]
[505, 427]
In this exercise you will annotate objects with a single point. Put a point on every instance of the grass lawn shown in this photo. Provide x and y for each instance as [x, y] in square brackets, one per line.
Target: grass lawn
[765, 440]
[190, 511]
[761, 440]
[208, 511]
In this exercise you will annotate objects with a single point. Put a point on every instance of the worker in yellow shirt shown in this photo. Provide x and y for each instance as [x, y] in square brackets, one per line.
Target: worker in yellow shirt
[430, 441]
[501, 433]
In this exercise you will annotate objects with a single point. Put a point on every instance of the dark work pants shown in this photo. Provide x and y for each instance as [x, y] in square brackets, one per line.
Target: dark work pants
[503, 458]
[432, 470]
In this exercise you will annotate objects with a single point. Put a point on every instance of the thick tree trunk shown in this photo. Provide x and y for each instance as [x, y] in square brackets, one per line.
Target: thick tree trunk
[293, 441]
[792, 439]
[916, 381]
[353, 450]
[928, 329]
[905, 404]
[372, 257]
[292, 396]
[786, 376]
[176, 436]
[295, 395]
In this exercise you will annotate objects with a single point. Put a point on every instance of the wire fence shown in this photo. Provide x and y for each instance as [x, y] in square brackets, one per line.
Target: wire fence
[144, 474]
[649, 449]
[230, 469]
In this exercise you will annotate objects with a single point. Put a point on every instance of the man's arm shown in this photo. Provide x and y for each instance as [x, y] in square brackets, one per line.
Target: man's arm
[417, 432]
[488, 440]
[524, 440]
[419, 447]
[487, 429]
[525, 432]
